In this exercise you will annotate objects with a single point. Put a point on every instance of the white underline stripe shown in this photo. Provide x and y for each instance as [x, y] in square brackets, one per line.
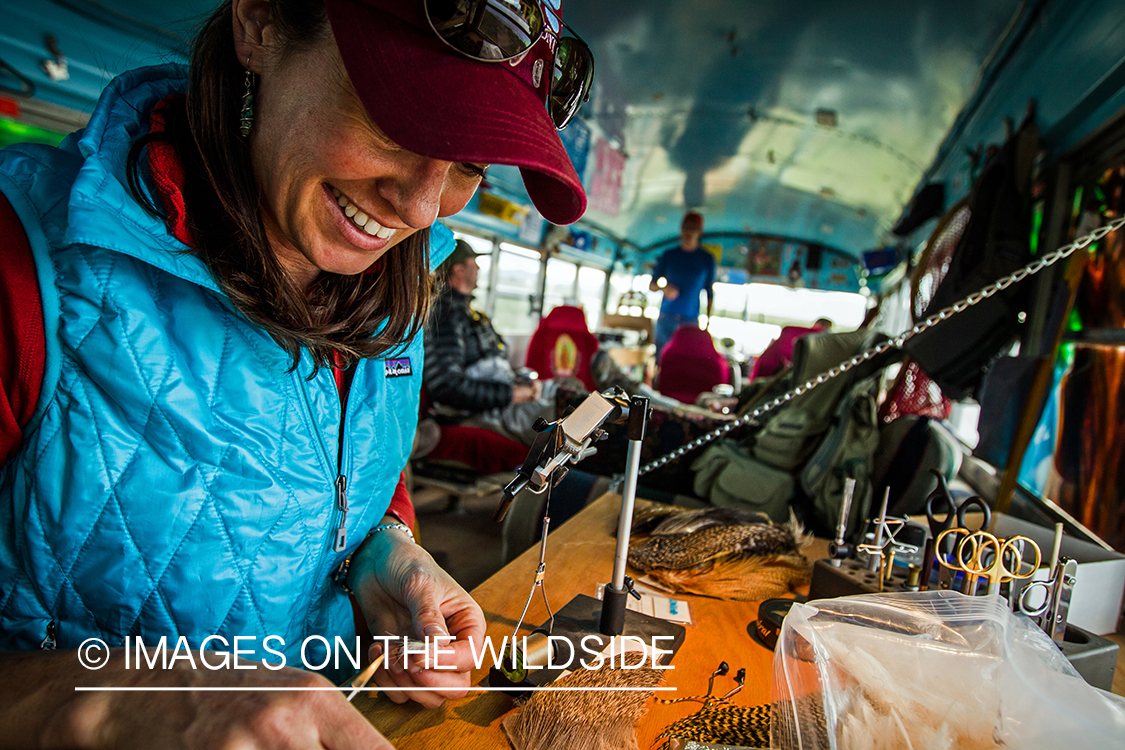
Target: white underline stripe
[227, 689]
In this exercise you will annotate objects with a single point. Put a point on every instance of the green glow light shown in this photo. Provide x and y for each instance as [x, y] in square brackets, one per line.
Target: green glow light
[18, 132]
[1036, 227]
[1074, 322]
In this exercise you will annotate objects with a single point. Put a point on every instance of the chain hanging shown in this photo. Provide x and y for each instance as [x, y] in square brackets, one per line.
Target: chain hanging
[998, 286]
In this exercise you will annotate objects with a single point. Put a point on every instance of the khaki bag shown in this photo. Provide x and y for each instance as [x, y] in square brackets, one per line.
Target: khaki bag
[800, 457]
[729, 477]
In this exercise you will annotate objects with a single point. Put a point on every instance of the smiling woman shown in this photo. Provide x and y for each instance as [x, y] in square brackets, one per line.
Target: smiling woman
[218, 287]
[301, 205]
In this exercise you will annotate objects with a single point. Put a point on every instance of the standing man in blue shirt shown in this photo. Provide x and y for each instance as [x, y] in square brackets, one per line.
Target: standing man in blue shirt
[682, 273]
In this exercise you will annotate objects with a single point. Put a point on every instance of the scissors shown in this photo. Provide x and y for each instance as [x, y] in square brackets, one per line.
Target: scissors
[1051, 613]
[982, 555]
[940, 503]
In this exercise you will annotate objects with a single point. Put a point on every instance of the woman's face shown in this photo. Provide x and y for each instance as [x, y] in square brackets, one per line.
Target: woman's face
[337, 193]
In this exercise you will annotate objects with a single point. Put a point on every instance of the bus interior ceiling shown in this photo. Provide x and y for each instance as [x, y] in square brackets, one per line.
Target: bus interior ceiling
[800, 130]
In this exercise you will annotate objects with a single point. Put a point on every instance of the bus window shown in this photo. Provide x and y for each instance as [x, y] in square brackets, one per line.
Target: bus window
[620, 283]
[591, 284]
[484, 262]
[572, 284]
[561, 287]
[750, 337]
[788, 306]
[640, 283]
[729, 321]
[517, 284]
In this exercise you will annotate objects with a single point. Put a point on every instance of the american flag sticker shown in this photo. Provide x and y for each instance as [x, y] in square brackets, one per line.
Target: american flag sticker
[396, 368]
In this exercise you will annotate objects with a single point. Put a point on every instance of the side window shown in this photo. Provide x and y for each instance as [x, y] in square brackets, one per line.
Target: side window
[517, 283]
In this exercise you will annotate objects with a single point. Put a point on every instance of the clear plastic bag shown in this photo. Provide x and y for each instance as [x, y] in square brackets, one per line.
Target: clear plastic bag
[933, 670]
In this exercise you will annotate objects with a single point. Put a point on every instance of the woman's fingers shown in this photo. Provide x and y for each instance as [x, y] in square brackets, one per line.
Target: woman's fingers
[387, 682]
[404, 592]
[428, 688]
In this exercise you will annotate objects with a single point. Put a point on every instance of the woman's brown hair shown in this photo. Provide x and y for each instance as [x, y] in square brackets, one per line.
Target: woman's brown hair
[343, 318]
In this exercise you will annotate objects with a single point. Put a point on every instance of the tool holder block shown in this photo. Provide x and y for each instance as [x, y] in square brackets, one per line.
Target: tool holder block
[1094, 657]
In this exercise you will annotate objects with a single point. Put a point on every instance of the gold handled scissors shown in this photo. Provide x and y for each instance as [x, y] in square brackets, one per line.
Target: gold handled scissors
[982, 555]
[947, 561]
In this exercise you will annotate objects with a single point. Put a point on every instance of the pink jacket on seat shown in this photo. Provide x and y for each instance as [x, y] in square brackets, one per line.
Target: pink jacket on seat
[690, 365]
[562, 346]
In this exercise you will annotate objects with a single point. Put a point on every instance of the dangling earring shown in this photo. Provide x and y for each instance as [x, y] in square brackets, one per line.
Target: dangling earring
[246, 116]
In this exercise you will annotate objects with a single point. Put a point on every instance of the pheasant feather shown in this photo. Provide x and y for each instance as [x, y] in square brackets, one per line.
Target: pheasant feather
[719, 552]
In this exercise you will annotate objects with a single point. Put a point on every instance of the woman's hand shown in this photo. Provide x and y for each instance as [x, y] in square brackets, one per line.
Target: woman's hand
[39, 707]
[522, 394]
[403, 592]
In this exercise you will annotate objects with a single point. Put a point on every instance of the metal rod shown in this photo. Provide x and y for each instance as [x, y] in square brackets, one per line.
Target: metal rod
[876, 560]
[638, 420]
[845, 510]
[836, 552]
[612, 620]
[625, 523]
[1056, 548]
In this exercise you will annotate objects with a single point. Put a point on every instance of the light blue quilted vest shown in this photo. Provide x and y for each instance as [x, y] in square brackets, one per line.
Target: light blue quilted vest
[175, 479]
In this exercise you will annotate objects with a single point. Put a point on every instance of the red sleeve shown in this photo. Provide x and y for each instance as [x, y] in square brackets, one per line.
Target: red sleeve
[23, 346]
[401, 506]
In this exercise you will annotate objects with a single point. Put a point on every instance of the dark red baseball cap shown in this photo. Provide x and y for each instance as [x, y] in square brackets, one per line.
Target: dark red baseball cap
[430, 99]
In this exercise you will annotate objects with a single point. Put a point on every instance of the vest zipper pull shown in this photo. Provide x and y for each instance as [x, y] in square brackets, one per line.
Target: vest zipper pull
[49, 643]
[342, 505]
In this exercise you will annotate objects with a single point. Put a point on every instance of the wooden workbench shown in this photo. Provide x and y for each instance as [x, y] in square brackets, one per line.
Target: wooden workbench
[579, 557]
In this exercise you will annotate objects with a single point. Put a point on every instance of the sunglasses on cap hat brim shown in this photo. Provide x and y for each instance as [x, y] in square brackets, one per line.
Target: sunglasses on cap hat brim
[434, 100]
[502, 30]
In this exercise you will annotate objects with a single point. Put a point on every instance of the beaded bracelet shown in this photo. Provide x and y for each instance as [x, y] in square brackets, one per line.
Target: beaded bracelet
[340, 575]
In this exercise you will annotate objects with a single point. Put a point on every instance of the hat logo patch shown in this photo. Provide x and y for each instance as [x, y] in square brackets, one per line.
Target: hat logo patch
[396, 368]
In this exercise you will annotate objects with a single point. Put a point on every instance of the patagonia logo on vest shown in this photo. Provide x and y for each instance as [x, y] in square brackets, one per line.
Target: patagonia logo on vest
[397, 367]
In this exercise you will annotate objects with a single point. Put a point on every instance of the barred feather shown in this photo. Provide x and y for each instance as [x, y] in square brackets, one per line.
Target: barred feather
[722, 722]
[720, 552]
[671, 519]
[725, 723]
